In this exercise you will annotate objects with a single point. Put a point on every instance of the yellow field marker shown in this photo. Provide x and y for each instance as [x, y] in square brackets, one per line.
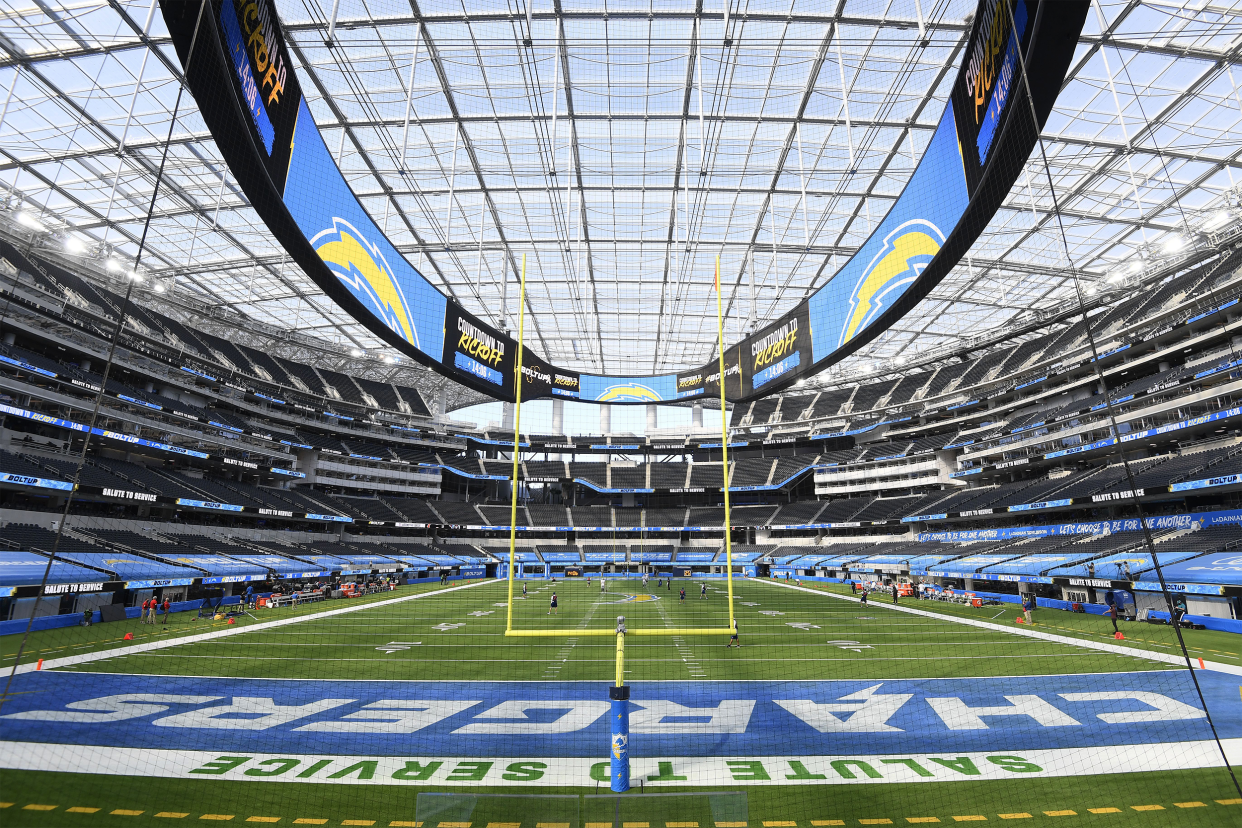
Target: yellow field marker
[1148, 807]
[372, 822]
[1022, 815]
[1229, 802]
[681, 825]
[262, 819]
[551, 824]
[308, 821]
[405, 823]
[1190, 804]
[819, 822]
[971, 818]
[123, 812]
[218, 817]
[1104, 810]
[1061, 813]
[6, 804]
[779, 824]
[78, 809]
[446, 824]
[922, 819]
[876, 821]
[743, 824]
[33, 807]
[504, 825]
[172, 814]
[636, 825]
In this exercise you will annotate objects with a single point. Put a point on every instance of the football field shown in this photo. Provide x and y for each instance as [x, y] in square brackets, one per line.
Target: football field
[831, 712]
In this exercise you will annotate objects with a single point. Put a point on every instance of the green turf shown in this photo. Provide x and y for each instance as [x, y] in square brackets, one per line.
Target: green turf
[1161, 638]
[1156, 794]
[68, 641]
[462, 637]
[785, 635]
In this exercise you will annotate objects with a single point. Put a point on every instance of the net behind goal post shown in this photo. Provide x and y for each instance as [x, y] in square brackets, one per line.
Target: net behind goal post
[619, 694]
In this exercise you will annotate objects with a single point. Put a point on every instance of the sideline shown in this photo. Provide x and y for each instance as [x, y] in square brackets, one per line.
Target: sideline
[147, 646]
[1163, 658]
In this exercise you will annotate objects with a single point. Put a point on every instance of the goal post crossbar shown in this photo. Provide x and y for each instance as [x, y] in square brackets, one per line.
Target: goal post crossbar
[610, 632]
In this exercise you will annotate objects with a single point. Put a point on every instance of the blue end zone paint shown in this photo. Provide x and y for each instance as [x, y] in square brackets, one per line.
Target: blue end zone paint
[666, 718]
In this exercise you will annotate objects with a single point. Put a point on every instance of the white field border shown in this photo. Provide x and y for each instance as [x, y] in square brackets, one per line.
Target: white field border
[1102, 646]
[564, 771]
[148, 646]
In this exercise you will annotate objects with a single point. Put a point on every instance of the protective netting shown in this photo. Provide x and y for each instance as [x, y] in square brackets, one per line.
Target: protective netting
[239, 587]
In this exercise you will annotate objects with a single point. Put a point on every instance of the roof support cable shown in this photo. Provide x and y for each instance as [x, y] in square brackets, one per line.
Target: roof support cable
[1118, 446]
[328, 41]
[448, 210]
[409, 105]
[845, 101]
[117, 328]
[129, 120]
[1151, 133]
[918, 10]
[806, 227]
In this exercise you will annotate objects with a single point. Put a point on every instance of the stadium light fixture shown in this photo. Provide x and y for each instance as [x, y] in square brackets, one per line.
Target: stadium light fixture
[26, 219]
[74, 245]
[355, 352]
[1217, 221]
[159, 287]
[1173, 244]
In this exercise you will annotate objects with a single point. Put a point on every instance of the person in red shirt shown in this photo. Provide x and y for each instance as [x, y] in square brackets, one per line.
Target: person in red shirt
[167, 604]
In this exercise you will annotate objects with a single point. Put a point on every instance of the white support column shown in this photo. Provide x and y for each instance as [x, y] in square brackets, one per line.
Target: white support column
[605, 419]
[652, 418]
[558, 416]
[409, 103]
[696, 415]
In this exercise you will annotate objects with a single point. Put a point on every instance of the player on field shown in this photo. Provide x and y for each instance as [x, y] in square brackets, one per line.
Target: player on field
[864, 594]
[703, 591]
[733, 639]
[682, 598]
[603, 584]
[552, 609]
[523, 590]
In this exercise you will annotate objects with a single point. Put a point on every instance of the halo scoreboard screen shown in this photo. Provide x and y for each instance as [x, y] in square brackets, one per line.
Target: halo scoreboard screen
[249, 96]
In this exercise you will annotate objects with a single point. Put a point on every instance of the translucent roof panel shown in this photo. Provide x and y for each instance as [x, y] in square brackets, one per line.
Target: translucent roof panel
[622, 147]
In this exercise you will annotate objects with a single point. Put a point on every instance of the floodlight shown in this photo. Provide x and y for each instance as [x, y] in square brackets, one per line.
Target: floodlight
[26, 219]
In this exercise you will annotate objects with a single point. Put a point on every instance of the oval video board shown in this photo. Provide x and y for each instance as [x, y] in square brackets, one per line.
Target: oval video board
[248, 93]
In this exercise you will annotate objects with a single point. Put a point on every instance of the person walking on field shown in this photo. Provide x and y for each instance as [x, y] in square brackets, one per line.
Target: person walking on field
[894, 593]
[733, 639]
[167, 606]
[682, 598]
[552, 610]
[703, 591]
[1028, 607]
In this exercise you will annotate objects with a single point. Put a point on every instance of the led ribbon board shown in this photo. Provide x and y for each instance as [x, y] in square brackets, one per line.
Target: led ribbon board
[274, 149]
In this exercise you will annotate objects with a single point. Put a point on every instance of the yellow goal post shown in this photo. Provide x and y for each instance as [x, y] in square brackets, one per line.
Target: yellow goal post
[724, 460]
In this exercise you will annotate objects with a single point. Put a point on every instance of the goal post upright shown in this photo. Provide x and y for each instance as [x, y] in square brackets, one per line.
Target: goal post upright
[517, 438]
[724, 447]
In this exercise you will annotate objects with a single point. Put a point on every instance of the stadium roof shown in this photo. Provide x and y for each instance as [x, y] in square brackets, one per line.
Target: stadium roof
[622, 150]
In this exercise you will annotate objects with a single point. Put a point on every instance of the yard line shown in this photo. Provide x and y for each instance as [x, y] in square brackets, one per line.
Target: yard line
[1116, 649]
[148, 646]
